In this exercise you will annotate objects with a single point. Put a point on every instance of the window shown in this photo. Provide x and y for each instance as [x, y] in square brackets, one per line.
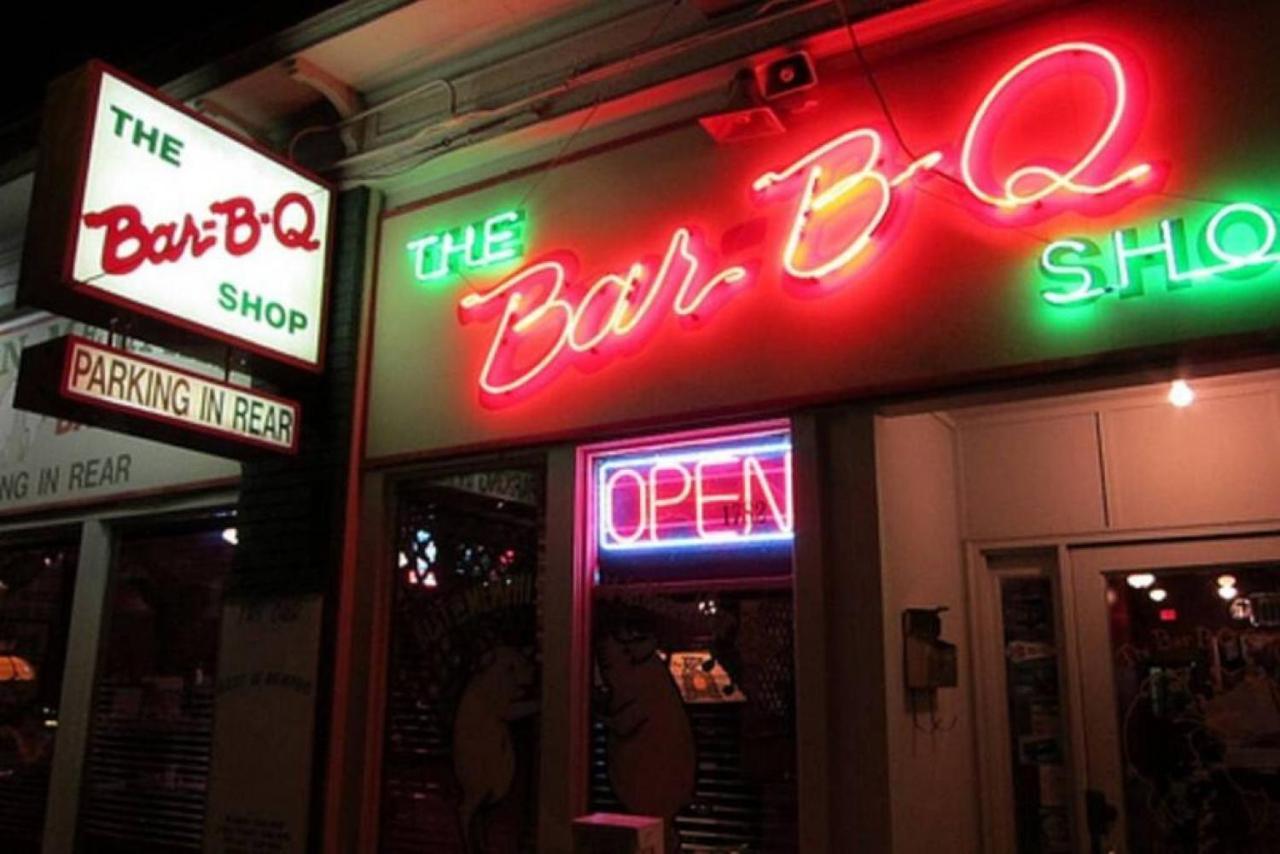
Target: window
[460, 760]
[36, 584]
[693, 685]
[147, 768]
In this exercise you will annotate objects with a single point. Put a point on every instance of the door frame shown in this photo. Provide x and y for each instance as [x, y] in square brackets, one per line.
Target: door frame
[987, 565]
[1088, 566]
[998, 830]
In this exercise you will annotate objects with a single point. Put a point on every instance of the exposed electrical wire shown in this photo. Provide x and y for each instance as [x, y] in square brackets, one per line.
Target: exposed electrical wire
[870, 75]
[642, 46]
[560, 155]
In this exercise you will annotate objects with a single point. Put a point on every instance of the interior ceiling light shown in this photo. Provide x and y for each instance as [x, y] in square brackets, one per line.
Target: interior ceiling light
[1158, 594]
[1140, 580]
[1181, 394]
[1226, 581]
[1228, 593]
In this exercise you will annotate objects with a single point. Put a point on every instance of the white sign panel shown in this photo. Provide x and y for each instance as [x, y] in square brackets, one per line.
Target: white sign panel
[150, 389]
[180, 221]
[46, 462]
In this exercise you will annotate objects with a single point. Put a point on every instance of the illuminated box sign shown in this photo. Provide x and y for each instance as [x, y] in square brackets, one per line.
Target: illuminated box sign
[166, 217]
[1046, 195]
[723, 495]
[75, 378]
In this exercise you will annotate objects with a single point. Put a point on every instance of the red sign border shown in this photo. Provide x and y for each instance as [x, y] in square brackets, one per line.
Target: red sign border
[94, 71]
[64, 389]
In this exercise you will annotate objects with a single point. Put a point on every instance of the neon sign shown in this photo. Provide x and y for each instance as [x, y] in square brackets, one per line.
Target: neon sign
[712, 495]
[1028, 72]
[841, 197]
[1237, 242]
[813, 203]
[490, 241]
[615, 307]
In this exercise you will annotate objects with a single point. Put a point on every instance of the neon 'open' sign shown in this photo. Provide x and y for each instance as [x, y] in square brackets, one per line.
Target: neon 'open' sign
[721, 494]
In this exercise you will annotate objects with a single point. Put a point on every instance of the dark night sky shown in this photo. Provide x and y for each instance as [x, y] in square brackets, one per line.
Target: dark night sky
[152, 41]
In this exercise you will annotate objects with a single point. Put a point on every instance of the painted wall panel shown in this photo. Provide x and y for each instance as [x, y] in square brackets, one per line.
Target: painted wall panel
[1214, 462]
[1038, 475]
[922, 566]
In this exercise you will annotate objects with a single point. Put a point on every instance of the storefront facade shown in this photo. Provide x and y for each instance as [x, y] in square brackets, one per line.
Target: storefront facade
[673, 445]
[116, 553]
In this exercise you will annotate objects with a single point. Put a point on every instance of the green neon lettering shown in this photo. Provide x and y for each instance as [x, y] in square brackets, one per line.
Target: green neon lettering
[493, 240]
[502, 237]
[1057, 266]
[1238, 242]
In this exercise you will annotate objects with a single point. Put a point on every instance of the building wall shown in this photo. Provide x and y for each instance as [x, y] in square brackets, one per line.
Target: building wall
[1123, 461]
[931, 757]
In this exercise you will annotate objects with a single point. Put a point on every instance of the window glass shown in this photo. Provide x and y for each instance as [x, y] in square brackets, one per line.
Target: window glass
[693, 685]
[147, 769]
[1196, 660]
[460, 760]
[1041, 784]
[36, 584]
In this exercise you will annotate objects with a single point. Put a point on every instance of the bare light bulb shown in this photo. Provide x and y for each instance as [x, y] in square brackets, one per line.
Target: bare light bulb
[1226, 581]
[1228, 593]
[1140, 580]
[1158, 594]
[1181, 394]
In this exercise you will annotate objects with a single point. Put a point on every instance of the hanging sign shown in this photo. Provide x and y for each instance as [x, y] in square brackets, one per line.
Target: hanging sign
[145, 210]
[84, 381]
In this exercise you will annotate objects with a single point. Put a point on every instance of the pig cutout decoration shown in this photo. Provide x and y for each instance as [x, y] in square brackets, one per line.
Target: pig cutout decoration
[651, 753]
[483, 758]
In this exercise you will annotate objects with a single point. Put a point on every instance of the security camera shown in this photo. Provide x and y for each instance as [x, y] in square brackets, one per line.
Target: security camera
[792, 73]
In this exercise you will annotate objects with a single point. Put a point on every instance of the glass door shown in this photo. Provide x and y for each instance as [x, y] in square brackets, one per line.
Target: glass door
[1179, 647]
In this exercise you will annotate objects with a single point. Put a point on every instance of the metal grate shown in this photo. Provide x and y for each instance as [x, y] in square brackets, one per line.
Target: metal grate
[148, 758]
[148, 779]
[744, 784]
[469, 557]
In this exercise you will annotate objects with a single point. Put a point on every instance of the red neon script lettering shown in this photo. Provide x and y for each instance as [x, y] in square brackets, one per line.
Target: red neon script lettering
[539, 328]
[535, 315]
[824, 198]
[1030, 184]
[128, 242]
[834, 195]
